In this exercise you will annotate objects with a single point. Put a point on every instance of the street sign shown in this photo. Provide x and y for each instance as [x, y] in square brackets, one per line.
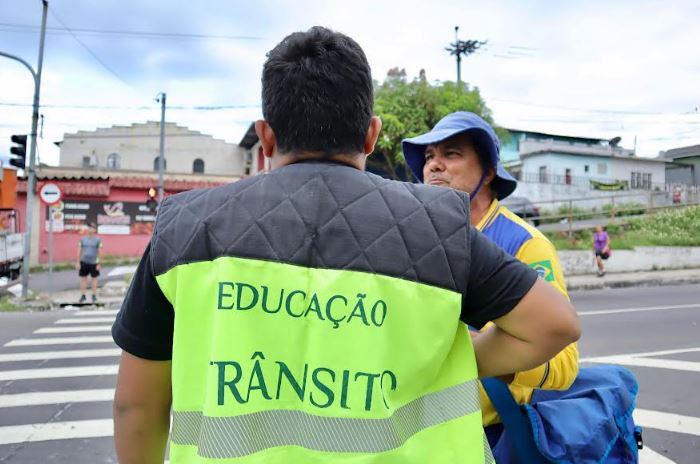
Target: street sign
[50, 194]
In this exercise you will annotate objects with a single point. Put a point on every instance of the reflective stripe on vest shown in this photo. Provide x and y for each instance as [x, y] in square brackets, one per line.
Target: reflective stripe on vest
[226, 437]
[338, 363]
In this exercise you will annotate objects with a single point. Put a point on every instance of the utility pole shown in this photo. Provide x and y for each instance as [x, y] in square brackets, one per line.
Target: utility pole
[462, 47]
[31, 174]
[161, 156]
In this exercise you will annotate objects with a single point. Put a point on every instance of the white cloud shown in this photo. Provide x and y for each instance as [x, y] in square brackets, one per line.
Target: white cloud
[635, 61]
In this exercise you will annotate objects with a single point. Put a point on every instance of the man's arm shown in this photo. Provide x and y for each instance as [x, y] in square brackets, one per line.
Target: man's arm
[533, 320]
[80, 252]
[99, 255]
[534, 331]
[142, 410]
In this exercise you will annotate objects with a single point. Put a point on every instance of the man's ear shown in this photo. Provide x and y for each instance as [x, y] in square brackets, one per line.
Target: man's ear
[375, 127]
[268, 142]
[490, 175]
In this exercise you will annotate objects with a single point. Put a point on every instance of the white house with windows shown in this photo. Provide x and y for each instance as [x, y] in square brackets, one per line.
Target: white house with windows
[136, 148]
[551, 170]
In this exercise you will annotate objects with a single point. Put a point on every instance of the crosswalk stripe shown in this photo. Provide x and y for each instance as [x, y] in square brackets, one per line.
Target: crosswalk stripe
[56, 397]
[56, 431]
[55, 330]
[85, 320]
[66, 354]
[59, 341]
[648, 362]
[649, 456]
[56, 372]
[667, 421]
[96, 312]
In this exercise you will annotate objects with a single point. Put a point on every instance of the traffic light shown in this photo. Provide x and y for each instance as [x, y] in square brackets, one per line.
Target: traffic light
[19, 150]
[152, 203]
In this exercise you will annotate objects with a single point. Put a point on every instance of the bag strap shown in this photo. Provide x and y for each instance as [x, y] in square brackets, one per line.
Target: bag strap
[515, 421]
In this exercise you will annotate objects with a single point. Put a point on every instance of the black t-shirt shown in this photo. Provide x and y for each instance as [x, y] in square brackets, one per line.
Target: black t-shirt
[497, 282]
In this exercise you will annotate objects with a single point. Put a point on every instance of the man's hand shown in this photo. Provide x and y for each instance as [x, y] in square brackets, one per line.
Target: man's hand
[142, 410]
[77, 266]
[97, 266]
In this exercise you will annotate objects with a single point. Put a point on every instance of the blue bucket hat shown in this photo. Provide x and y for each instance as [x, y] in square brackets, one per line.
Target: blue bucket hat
[484, 138]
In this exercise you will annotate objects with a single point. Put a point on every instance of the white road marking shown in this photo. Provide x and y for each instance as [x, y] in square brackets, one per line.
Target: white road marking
[55, 397]
[634, 310]
[55, 330]
[122, 270]
[85, 320]
[66, 354]
[57, 372]
[667, 421]
[648, 362]
[56, 431]
[647, 353]
[59, 341]
[96, 312]
[649, 456]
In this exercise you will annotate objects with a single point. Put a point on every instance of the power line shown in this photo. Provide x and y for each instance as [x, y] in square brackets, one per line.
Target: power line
[9, 27]
[139, 108]
[97, 58]
[583, 110]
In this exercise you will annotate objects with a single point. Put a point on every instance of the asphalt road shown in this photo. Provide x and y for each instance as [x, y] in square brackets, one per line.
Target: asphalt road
[65, 280]
[57, 374]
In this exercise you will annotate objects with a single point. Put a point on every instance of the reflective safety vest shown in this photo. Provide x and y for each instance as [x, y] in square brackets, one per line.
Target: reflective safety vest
[283, 360]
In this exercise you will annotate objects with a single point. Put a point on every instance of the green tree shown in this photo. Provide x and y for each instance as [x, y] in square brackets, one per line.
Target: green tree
[411, 108]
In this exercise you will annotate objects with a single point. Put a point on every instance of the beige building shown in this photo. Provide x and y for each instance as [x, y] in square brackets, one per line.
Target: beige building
[136, 148]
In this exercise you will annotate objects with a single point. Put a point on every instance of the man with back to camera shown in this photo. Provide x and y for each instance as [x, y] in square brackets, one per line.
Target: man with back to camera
[89, 257]
[316, 313]
[462, 152]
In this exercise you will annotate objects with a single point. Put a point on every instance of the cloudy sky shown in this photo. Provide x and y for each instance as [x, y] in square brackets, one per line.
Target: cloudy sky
[589, 68]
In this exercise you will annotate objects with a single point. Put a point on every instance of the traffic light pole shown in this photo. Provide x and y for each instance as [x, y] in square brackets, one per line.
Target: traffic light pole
[31, 175]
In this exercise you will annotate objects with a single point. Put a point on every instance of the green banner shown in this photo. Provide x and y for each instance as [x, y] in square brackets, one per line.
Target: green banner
[614, 185]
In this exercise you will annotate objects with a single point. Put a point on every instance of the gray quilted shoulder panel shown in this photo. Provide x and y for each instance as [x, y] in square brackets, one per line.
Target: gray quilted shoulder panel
[322, 215]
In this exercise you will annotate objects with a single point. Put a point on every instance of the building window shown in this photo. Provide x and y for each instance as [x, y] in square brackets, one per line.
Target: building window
[86, 161]
[585, 168]
[198, 165]
[543, 174]
[155, 164]
[640, 180]
[567, 176]
[114, 161]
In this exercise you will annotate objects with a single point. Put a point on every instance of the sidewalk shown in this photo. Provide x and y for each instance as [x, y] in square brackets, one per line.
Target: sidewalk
[633, 279]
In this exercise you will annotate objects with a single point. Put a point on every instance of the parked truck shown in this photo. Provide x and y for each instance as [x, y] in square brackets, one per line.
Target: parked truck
[11, 254]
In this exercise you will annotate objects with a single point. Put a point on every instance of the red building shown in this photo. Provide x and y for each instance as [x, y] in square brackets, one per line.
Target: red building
[114, 201]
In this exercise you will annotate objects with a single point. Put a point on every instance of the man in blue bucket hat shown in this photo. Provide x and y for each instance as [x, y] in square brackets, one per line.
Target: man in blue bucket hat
[462, 152]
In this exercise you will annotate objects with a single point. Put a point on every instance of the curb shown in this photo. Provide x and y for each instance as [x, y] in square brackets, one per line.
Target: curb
[655, 282]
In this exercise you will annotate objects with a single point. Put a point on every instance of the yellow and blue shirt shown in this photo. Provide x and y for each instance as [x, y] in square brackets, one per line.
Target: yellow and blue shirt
[527, 244]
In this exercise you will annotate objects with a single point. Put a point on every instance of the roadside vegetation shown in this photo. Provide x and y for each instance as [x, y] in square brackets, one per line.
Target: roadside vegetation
[673, 227]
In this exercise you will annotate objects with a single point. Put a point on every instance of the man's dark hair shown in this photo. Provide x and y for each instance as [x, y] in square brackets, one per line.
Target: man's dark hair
[317, 93]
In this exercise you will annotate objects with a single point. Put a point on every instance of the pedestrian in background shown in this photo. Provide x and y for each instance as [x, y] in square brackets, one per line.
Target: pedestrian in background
[601, 247]
[89, 257]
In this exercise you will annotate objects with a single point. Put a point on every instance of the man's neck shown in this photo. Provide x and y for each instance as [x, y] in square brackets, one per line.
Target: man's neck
[280, 160]
[479, 206]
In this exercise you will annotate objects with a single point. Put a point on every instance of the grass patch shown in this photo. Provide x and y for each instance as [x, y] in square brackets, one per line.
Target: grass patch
[7, 305]
[672, 227]
[107, 260]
